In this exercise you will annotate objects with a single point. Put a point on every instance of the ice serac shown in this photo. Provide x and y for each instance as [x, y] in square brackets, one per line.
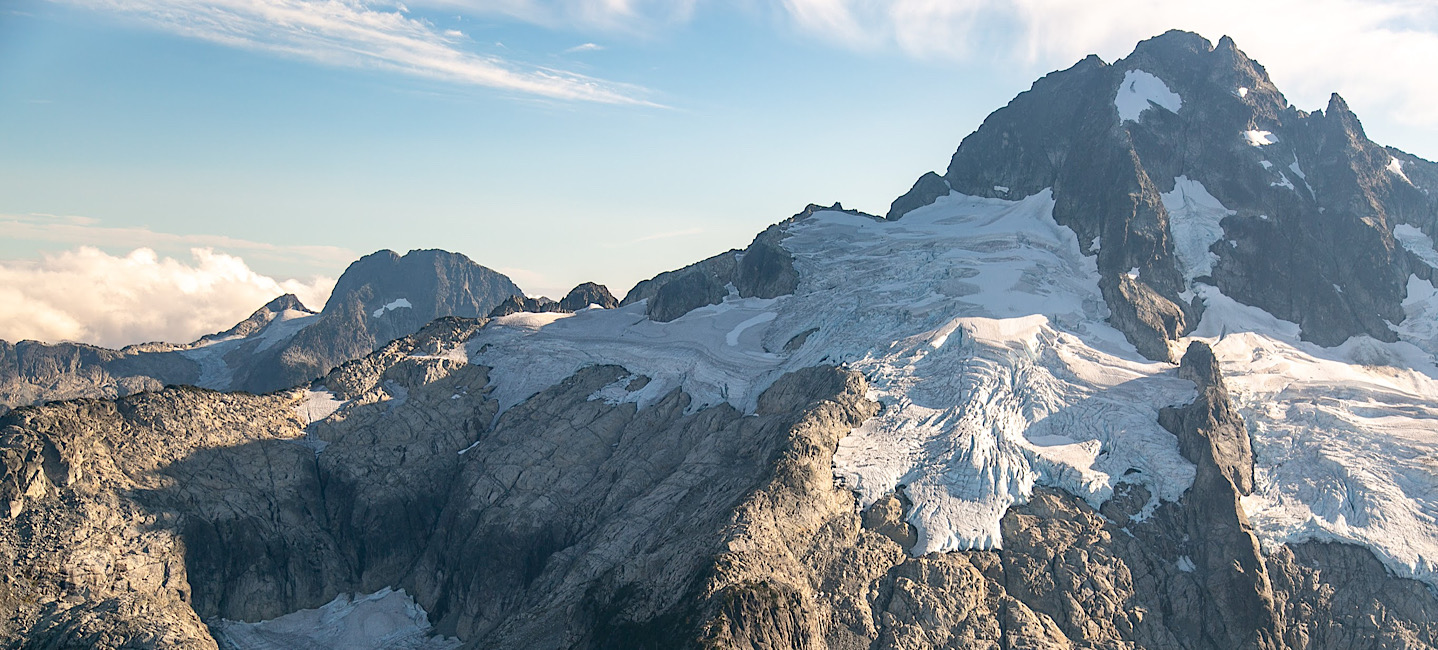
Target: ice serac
[1306, 232]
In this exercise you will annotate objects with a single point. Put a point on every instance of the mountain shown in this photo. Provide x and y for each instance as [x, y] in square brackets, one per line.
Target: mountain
[379, 298]
[1079, 391]
[1196, 170]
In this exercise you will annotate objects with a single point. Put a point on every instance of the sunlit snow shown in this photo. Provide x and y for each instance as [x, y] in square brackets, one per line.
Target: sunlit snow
[1140, 91]
[1260, 138]
[980, 327]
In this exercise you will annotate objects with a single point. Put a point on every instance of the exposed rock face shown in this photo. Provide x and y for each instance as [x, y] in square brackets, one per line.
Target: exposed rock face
[1313, 202]
[517, 304]
[379, 298]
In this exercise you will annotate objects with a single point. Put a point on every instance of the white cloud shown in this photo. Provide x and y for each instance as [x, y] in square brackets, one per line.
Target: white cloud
[584, 47]
[1371, 51]
[363, 34]
[93, 297]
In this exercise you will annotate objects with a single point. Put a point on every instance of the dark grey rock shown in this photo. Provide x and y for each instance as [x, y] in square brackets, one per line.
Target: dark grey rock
[588, 294]
[685, 293]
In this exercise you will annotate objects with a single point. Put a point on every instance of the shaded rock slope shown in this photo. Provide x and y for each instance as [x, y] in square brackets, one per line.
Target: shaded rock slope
[379, 298]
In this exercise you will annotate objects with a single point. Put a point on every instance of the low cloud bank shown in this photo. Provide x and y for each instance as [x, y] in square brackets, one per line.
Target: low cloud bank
[90, 296]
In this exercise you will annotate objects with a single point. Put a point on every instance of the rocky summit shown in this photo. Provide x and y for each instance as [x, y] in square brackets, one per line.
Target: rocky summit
[1151, 365]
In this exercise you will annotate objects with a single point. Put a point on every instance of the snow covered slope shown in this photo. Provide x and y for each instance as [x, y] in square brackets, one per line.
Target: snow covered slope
[980, 326]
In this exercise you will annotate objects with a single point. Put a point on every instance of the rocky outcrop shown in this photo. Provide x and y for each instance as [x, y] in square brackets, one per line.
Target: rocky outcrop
[1314, 201]
[580, 297]
[588, 294]
[763, 270]
[379, 298]
[518, 304]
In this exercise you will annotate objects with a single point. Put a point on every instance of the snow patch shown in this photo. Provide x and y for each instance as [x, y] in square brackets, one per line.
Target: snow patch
[1266, 164]
[1260, 138]
[317, 405]
[1001, 188]
[1396, 166]
[1416, 242]
[391, 306]
[1185, 564]
[386, 619]
[1283, 182]
[1140, 91]
[1242, 92]
[1194, 219]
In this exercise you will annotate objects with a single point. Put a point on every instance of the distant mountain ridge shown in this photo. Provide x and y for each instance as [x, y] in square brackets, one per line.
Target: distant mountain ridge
[380, 297]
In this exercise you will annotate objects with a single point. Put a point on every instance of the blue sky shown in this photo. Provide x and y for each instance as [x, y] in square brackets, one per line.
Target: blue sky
[558, 141]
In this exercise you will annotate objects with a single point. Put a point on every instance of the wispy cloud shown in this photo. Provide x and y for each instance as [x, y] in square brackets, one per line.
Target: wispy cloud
[91, 296]
[665, 235]
[634, 17]
[87, 231]
[584, 47]
[364, 34]
[1366, 49]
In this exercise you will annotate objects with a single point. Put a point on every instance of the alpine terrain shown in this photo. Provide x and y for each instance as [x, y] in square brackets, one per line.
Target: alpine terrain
[1150, 365]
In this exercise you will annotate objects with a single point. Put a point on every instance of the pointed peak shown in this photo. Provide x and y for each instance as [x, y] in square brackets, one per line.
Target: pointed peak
[287, 302]
[1174, 42]
[1336, 105]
